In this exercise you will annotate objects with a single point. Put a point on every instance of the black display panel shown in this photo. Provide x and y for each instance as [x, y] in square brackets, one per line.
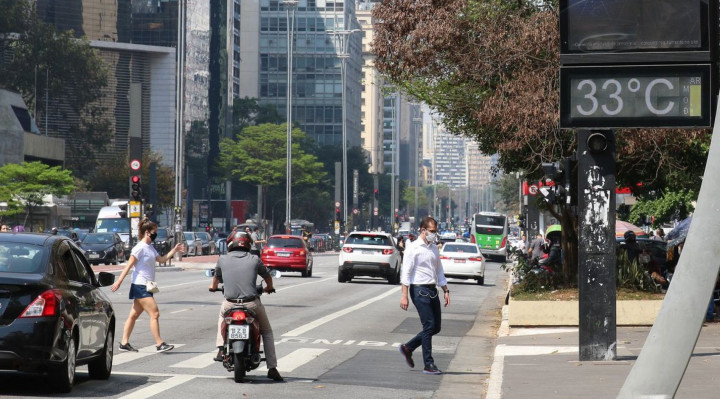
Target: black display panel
[681, 27]
[640, 96]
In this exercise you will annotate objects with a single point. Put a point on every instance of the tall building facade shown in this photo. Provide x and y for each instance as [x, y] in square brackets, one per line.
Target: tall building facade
[371, 99]
[140, 72]
[317, 89]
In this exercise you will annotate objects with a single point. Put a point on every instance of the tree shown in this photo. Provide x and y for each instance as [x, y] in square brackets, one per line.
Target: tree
[27, 183]
[259, 157]
[507, 188]
[69, 68]
[248, 112]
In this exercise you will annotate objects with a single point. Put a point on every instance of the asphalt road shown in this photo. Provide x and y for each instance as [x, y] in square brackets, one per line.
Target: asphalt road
[333, 340]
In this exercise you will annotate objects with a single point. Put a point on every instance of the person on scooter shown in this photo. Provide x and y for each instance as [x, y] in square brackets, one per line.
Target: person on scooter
[238, 271]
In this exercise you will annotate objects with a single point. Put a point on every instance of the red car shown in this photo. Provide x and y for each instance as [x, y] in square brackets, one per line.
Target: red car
[288, 254]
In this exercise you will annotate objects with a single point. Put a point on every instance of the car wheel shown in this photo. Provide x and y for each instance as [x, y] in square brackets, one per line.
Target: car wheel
[306, 272]
[341, 277]
[101, 367]
[481, 280]
[62, 378]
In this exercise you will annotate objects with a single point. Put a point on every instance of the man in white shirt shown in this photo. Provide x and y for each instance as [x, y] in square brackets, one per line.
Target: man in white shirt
[421, 273]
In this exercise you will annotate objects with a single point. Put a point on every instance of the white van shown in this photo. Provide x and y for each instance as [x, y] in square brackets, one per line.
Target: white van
[109, 220]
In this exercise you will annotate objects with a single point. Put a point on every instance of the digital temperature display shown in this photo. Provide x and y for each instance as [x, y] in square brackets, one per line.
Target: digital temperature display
[636, 96]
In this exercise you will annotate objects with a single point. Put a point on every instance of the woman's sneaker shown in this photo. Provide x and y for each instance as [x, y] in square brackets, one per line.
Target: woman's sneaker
[164, 347]
[127, 348]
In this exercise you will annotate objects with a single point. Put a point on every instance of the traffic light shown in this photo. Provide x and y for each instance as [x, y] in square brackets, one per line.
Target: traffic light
[135, 188]
[597, 141]
[337, 214]
[123, 210]
[558, 181]
[376, 193]
[397, 217]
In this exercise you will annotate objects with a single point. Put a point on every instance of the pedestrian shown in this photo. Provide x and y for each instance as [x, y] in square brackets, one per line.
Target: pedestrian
[256, 242]
[143, 258]
[421, 273]
[4, 228]
[537, 248]
[659, 235]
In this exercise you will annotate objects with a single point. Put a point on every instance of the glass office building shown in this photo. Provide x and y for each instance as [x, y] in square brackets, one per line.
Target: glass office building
[317, 79]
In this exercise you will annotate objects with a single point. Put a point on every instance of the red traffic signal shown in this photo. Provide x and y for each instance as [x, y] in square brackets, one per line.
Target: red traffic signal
[135, 188]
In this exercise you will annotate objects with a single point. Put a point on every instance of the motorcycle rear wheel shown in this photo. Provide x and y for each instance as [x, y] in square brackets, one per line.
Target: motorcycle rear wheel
[239, 372]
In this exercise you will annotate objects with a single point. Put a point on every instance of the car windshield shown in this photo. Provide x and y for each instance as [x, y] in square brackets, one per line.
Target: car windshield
[282, 242]
[162, 234]
[205, 237]
[20, 258]
[189, 236]
[98, 239]
[368, 239]
[470, 249]
[119, 225]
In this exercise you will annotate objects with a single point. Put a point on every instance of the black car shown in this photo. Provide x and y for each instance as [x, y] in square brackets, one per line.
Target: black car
[164, 241]
[103, 248]
[53, 315]
[655, 250]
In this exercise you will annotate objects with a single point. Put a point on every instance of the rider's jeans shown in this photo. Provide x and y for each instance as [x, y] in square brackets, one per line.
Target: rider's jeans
[265, 329]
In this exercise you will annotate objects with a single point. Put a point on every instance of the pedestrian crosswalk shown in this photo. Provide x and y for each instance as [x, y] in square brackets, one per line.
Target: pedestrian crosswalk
[125, 357]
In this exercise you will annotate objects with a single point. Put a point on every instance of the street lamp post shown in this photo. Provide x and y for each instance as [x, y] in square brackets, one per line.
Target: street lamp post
[290, 6]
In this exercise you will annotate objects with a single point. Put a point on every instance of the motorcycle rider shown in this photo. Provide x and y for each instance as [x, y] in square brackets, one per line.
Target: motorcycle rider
[238, 271]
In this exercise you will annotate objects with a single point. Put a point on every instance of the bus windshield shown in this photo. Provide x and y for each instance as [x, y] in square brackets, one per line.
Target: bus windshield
[491, 225]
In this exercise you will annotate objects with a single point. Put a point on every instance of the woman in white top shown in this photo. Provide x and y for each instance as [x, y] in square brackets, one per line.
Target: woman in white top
[143, 257]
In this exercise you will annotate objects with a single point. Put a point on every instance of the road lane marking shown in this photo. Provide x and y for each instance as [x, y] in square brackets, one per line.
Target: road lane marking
[181, 310]
[159, 387]
[301, 284]
[197, 362]
[124, 357]
[309, 326]
[295, 359]
[146, 374]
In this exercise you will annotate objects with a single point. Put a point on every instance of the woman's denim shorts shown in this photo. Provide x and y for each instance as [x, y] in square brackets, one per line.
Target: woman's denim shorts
[138, 291]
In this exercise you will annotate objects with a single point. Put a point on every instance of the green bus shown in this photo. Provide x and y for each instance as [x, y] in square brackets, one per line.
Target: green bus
[489, 230]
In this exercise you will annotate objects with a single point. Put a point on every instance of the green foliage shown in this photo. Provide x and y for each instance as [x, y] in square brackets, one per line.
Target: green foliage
[25, 184]
[672, 205]
[506, 190]
[248, 112]
[632, 276]
[531, 279]
[259, 157]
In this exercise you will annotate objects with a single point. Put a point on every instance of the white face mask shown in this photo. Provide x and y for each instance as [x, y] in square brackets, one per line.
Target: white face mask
[431, 237]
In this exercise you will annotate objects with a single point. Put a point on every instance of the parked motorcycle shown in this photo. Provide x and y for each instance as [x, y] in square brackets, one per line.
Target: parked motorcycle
[241, 350]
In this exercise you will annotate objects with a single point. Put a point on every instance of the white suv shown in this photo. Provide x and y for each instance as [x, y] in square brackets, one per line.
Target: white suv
[370, 253]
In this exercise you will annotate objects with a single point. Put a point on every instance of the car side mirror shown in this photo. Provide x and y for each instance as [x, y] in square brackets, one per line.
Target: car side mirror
[105, 279]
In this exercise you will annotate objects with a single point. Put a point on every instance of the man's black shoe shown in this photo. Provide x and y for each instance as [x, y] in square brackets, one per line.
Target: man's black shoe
[274, 375]
[219, 357]
[432, 369]
[408, 355]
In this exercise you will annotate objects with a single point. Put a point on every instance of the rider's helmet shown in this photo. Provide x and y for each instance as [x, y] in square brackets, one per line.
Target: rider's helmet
[239, 240]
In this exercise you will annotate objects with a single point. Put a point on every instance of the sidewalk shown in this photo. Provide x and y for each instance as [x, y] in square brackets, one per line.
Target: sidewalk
[543, 363]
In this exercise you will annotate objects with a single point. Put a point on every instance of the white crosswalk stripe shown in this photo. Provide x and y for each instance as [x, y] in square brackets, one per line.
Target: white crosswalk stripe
[197, 362]
[159, 387]
[125, 357]
[295, 359]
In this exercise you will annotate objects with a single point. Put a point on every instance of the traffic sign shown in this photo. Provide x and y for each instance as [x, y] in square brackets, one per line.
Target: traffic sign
[135, 209]
[355, 211]
[533, 189]
[375, 211]
[135, 164]
[337, 204]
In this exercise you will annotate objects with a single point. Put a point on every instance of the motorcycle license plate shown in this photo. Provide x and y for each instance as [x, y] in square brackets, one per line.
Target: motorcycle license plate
[239, 332]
